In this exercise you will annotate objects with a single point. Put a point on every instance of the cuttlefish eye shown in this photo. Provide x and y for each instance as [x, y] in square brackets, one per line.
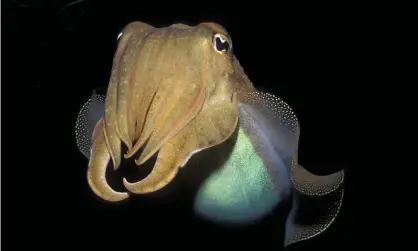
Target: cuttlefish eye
[119, 35]
[221, 43]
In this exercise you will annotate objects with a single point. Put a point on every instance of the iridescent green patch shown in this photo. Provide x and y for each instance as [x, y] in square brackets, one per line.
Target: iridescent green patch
[240, 191]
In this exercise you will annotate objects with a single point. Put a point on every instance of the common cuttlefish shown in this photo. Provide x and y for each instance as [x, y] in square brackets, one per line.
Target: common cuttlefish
[179, 90]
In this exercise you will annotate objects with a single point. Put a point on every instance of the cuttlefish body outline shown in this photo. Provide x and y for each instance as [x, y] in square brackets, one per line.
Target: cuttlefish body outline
[177, 91]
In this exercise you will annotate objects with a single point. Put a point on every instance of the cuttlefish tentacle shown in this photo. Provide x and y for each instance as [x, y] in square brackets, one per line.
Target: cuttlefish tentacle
[96, 174]
[213, 125]
[126, 81]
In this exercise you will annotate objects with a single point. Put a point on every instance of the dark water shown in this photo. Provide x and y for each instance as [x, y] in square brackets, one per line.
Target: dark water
[56, 56]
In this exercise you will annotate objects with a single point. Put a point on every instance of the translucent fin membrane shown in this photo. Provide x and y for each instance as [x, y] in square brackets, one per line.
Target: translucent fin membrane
[87, 118]
[311, 216]
[310, 184]
[275, 107]
[276, 119]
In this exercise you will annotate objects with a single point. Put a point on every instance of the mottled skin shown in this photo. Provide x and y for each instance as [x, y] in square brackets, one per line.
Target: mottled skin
[174, 91]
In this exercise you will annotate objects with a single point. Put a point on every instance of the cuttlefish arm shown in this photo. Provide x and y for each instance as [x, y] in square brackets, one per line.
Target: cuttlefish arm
[109, 115]
[91, 141]
[175, 104]
[96, 174]
[193, 138]
[214, 124]
[176, 91]
[132, 39]
[169, 94]
[193, 105]
[171, 90]
[116, 106]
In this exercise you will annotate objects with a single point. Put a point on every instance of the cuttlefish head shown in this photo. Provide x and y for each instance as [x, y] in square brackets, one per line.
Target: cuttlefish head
[172, 93]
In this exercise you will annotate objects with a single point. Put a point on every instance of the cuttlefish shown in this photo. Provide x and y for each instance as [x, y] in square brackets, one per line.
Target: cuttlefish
[178, 91]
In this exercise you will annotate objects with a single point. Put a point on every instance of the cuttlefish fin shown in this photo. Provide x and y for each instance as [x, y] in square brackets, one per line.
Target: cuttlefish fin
[213, 125]
[316, 203]
[311, 216]
[96, 173]
[268, 109]
[87, 119]
[310, 184]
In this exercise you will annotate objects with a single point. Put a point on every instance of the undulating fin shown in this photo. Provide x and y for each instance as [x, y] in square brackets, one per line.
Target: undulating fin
[272, 126]
[87, 118]
[317, 201]
[275, 108]
[310, 184]
[96, 174]
[311, 216]
[279, 121]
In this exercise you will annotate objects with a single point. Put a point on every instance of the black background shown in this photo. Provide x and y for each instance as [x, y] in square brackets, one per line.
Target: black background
[55, 55]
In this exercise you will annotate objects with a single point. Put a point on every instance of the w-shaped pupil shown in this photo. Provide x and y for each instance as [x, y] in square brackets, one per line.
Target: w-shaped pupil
[221, 46]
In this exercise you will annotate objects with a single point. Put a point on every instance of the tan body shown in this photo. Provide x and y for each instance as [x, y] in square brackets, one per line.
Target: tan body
[170, 91]
[178, 90]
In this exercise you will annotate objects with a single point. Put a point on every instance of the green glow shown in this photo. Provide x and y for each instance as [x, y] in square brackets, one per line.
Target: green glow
[241, 190]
